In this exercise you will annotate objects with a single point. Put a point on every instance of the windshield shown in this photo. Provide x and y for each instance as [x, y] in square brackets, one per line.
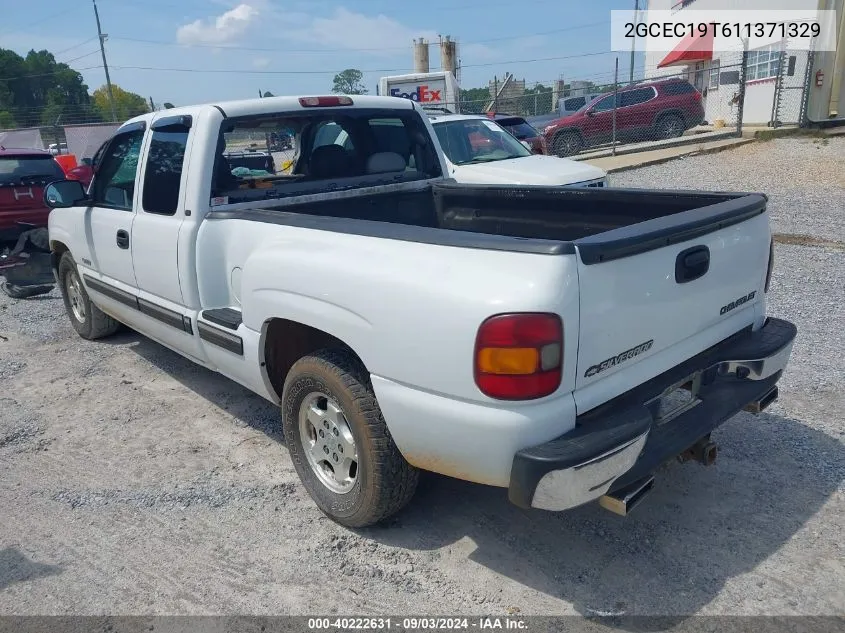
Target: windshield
[469, 141]
[28, 170]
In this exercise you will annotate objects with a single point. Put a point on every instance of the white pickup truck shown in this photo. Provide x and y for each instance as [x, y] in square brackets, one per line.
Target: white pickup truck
[559, 342]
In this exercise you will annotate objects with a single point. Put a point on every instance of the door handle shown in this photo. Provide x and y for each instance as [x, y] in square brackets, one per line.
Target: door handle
[691, 264]
[123, 239]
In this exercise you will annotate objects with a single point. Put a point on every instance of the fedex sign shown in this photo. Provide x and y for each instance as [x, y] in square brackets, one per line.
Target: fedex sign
[423, 93]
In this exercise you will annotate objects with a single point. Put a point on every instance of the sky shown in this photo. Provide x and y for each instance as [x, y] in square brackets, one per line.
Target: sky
[194, 51]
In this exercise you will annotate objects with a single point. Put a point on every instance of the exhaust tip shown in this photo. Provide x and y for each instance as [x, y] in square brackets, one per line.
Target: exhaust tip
[763, 403]
[622, 502]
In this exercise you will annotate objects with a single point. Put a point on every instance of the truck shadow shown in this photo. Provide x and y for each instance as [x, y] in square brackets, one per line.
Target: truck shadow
[16, 567]
[698, 529]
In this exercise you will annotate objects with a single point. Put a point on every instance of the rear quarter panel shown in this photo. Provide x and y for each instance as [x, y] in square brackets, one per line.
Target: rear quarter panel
[410, 310]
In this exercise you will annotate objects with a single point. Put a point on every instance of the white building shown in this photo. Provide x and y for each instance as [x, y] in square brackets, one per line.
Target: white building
[716, 73]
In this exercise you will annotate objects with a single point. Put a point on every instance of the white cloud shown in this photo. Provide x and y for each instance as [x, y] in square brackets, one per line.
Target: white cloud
[345, 29]
[224, 29]
[261, 62]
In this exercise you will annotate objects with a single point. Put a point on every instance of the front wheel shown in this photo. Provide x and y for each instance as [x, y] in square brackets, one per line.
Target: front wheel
[339, 442]
[87, 319]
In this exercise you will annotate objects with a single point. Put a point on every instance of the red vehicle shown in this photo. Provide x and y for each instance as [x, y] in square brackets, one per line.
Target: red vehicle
[84, 173]
[647, 110]
[23, 175]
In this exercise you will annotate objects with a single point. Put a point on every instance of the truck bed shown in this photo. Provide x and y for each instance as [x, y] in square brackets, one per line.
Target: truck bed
[603, 223]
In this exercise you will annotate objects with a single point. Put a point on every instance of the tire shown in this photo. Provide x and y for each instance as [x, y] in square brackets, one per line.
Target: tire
[669, 126]
[567, 144]
[381, 482]
[87, 319]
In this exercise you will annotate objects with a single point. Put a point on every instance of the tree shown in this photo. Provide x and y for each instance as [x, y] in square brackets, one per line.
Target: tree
[7, 121]
[349, 82]
[37, 89]
[541, 102]
[126, 104]
[474, 99]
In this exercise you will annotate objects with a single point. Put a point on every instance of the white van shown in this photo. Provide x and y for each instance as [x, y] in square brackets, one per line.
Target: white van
[571, 105]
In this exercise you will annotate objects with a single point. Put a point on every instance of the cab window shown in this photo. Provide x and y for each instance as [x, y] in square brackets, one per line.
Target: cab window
[114, 184]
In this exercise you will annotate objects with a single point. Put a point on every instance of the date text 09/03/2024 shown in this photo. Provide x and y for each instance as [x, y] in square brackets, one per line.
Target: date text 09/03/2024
[417, 624]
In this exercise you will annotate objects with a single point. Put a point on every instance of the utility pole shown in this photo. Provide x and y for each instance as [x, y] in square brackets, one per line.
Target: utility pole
[634, 39]
[105, 65]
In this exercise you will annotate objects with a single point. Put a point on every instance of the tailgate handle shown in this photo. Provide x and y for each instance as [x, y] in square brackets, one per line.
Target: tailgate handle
[692, 264]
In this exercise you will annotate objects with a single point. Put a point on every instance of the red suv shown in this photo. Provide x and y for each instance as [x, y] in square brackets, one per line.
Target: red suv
[647, 110]
[23, 175]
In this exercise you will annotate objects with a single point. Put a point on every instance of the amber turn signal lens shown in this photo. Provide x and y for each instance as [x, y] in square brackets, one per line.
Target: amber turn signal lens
[508, 360]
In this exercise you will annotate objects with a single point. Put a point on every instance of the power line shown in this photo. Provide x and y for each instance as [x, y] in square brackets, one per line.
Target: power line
[70, 48]
[368, 70]
[353, 50]
[81, 57]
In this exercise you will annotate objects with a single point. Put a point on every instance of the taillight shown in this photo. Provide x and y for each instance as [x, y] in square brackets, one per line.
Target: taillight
[771, 264]
[320, 102]
[519, 356]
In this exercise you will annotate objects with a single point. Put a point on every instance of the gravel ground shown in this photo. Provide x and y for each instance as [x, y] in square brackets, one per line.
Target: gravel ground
[804, 179]
[133, 482]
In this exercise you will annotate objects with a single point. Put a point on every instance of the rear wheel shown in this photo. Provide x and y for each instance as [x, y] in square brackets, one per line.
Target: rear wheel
[339, 442]
[87, 319]
[567, 144]
[669, 126]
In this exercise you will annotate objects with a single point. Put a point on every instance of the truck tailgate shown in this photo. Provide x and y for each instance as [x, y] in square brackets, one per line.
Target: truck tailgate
[656, 293]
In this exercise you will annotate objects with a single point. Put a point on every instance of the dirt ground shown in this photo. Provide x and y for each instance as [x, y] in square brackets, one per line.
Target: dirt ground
[134, 482]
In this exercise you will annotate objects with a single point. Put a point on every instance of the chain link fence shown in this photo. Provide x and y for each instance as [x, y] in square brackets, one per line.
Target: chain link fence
[766, 87]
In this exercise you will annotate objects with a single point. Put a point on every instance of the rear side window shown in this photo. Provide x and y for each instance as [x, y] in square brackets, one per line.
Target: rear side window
[29, 170]
[163, 176]
[677, 88]
[635, 97]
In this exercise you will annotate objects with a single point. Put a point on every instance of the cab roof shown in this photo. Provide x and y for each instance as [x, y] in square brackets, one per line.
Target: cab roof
[269, 105]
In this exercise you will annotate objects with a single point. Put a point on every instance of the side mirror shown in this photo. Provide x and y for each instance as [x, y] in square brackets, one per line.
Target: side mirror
[62, 194]
[590, 113]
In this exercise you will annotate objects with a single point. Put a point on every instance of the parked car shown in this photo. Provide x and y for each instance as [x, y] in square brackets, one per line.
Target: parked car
[647, 110]
[23, 175]
[84, 173]
[523, 131]
[559, 342]
[480, 150]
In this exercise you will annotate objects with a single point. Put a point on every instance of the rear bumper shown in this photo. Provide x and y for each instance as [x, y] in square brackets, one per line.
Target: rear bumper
[622, 441]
